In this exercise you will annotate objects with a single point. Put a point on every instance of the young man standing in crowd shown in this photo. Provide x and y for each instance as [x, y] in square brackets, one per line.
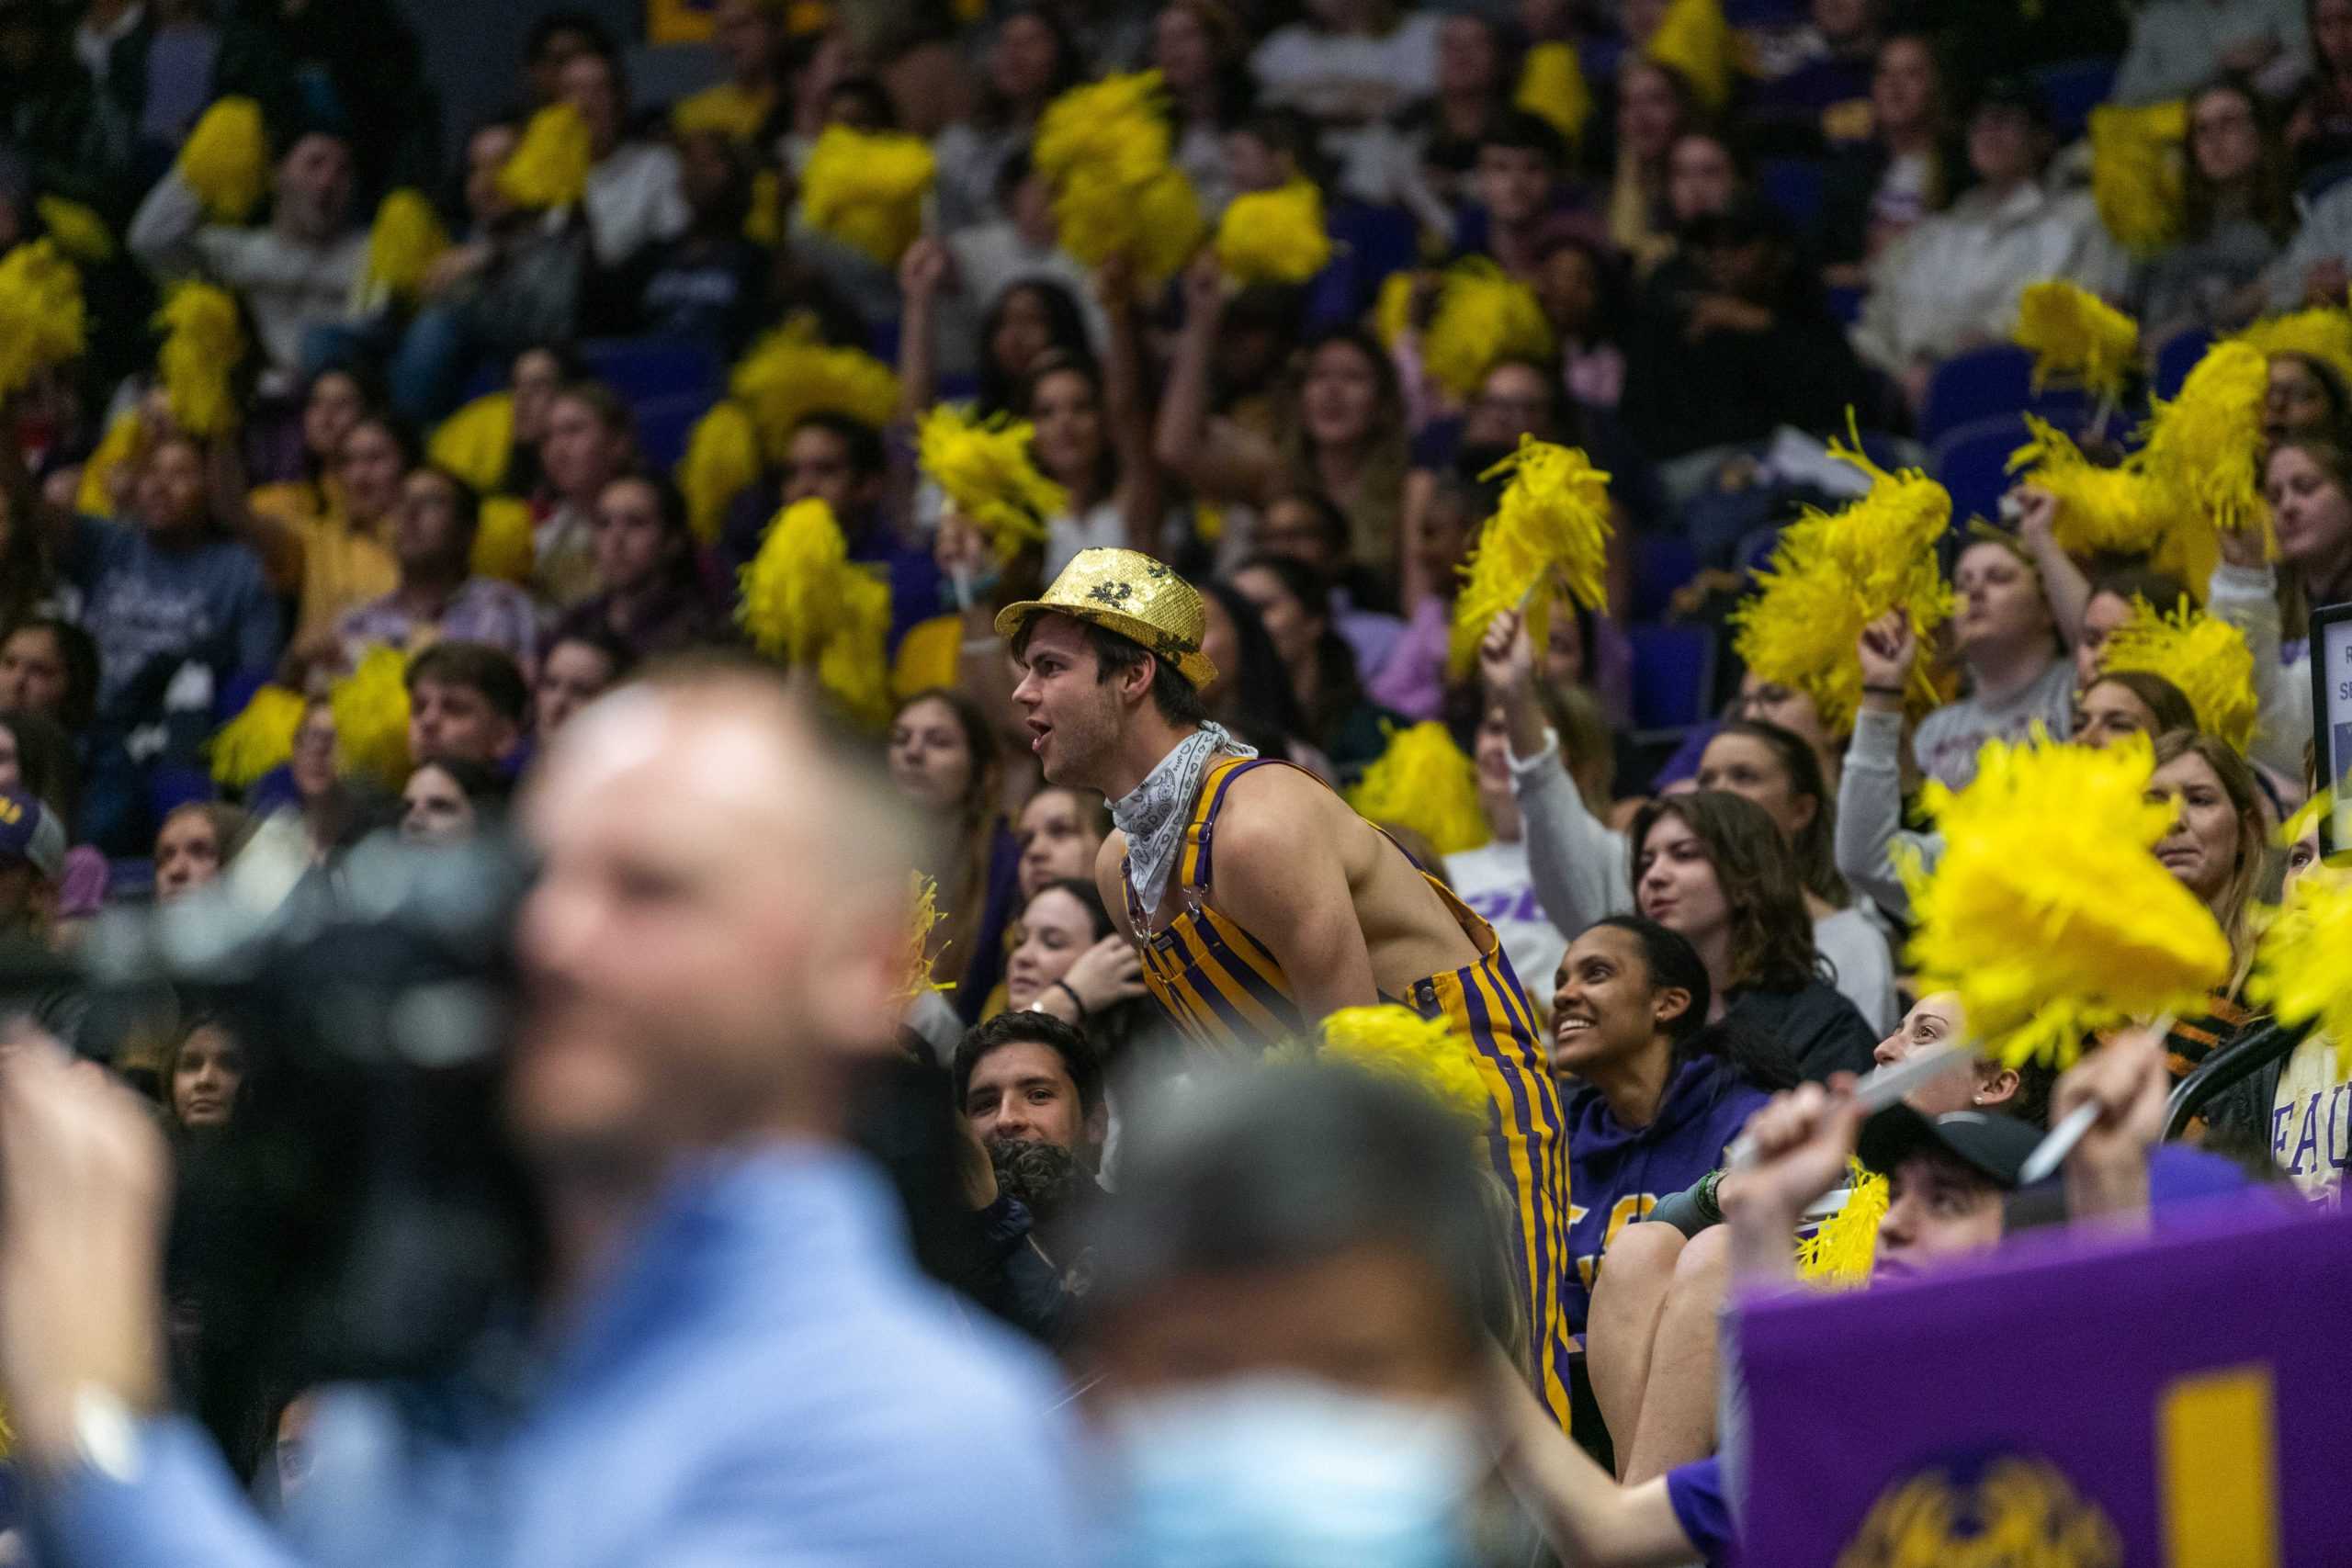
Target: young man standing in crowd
[1259, 901]
[466, 701]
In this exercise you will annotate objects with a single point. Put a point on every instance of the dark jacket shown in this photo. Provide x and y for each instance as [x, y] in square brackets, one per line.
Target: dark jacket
[1818, 1028]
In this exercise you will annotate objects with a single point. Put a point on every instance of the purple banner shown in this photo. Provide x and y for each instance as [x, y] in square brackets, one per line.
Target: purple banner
[2179, 1402]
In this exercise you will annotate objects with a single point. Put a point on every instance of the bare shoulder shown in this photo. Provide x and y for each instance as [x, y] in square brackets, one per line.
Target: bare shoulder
[1275, 806]
[1110, 862]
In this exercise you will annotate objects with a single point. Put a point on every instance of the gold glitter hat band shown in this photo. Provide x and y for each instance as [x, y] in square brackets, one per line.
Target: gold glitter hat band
[1129, 592]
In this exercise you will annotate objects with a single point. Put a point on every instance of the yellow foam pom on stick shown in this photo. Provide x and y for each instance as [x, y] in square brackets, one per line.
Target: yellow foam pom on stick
[1274, 236]
[2205, 445]
[721, 461]
[2323, 333]
[1423, 781]
[866, 190]
[259, 738]
[2299, 968]
[118, 446]
[1121, 120]
[1104, 150]
[505, 542]
[225, 159]
[2048, 910]
[1833, 573]
[790, 373]
[985, 468]
[477, 443]
[1842, 1251]
[1551, 532]
[1484, 316]
[203, 345]
[2100, 510]
[42, 322]
[922, 959]
[406, 241]
[2204, 656]
[549, 168]
[370, 707]
[764, 222]
[805, 602]
[2137, 170]
[1552, 86]
[2075, 336]
[1695, 38]
[79, 231]
[1394, 1042]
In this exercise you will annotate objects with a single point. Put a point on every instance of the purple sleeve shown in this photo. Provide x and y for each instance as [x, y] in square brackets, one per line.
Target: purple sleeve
[1696, 1492]
[84, 887]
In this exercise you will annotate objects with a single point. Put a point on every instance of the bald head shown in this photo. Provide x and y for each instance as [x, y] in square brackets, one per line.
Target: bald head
[718, 923]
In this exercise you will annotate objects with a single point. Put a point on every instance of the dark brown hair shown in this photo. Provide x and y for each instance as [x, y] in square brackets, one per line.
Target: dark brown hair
[2252, 868]
[1814, 845]
[1772, 934]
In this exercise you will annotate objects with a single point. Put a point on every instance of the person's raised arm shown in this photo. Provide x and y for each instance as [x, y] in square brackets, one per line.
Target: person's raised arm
[923, 273]
[2245, 592]
[1128, 407]
[1217, 459]
[2063, 585]
[164, 232]
[1870, 790]
[1279, 874]
[1578, 863]
[279, 547]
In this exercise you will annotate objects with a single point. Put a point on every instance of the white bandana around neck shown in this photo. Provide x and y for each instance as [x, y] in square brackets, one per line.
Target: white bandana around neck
[1154, 817]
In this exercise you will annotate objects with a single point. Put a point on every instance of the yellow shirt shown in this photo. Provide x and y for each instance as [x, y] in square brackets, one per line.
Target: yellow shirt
[927, 656]
[334, 566]
[2310, 1118]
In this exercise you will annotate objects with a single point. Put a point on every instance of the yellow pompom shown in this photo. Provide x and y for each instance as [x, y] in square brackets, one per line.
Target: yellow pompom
[866, 190]
[721, 461]
[1423, 781]
[203, 344]
[118, 445]
[1393, 1041]
[986, 468]
[2206, 445]
[805, 602]
[371, 706]
[1121, 120]
[1842, 1251]
[1552, 531]
[789, 375]
[2300, 971]
[2074, 335]
[406, 241]
[1832, 574]
[1274, 236]
[2203, 655]
[79, 231]
[1695, 39]
[2047, 911]
[1552, 84]
[1484, 316]
[477, 443]
[259, 738]
[1105, 149]
[505, 544]
[2324, 334]
[225, 160]
[2136, 172]
[764, 222]
[2101, 511]
[1392, 308]
[42, 320]
[1167, 214]
[549, 168]
[922, 959]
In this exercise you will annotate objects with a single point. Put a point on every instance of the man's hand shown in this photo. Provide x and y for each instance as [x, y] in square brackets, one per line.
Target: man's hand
[1887, 649]
[923, 270]
[1802, 1139]
[2037, 516]
[2106, 1174]
[85, 1189]
[1507, 656]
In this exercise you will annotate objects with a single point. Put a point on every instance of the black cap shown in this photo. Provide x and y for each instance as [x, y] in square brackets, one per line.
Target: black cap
[1996, 1148]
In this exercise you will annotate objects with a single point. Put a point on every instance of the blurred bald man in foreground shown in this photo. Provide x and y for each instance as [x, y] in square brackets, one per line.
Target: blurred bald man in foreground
[735, 1361]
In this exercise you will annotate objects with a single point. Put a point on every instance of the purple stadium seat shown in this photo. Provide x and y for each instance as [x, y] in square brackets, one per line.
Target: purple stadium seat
[1674, 675]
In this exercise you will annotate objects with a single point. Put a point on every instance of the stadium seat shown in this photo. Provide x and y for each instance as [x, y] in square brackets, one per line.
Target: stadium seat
[1794, 186]
[2176, 356]
[2073, 88]
[1973, 463]
[1674, 671]
[664, 423]
[1987, 381]
[1662, 563]
[643, 368]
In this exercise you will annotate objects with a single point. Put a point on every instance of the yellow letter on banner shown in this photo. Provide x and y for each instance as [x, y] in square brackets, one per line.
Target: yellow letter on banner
[2219, 1453]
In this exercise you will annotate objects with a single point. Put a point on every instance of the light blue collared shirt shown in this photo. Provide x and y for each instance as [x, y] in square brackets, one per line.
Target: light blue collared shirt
[764, 1379]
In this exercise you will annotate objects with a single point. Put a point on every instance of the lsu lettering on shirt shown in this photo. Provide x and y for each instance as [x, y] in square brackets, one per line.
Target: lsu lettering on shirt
[2311, 1119]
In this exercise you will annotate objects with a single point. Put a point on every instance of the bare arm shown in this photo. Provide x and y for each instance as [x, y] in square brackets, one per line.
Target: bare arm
[1128, 409]
[1218, 461]
[1584, 1515]
[1279, 874]
[2063, 583]
[923, 273]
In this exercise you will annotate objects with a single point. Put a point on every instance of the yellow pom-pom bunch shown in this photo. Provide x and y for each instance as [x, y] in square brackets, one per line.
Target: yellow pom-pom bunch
[789, 375]
[79, 231]
[505, 542]
[1423, 781]
[2203, 655]
[2299, 968]
[2323, 333]
[922, 959]
[2100, 510]
[42, 320]
[118, 447]
[370, 707]
[1274, 236]
[805, 602]
[1551, 532]
[406, 241]
[260, 737]
[2074, 335]
[2206, 445]
[1105, 149]
[1835, 572]
[2137, 171]
[1695, 38]
[549, 168]
[721, 461]
[1484, 316]
[764, 220]
[2048, 910]
[477, 443]
[1840, 1253]
[203, 344]
[225, 160]
[985, 469]
[866, 190]
[1394, 1041]
[1552, 84]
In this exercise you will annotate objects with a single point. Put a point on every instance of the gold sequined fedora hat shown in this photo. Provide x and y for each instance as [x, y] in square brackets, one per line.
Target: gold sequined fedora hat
[1129, 592]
